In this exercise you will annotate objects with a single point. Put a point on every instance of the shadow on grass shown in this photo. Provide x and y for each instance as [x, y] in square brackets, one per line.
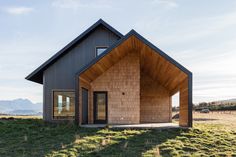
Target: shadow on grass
[33, 137]
[139, 144]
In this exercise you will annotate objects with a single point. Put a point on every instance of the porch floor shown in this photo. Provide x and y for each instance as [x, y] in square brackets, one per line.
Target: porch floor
[140, 126]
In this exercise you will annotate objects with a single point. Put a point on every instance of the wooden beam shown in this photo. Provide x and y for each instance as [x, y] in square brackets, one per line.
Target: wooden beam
[184, 104]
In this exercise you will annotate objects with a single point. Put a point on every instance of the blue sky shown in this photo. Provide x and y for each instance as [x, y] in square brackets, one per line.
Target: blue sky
[201, 35]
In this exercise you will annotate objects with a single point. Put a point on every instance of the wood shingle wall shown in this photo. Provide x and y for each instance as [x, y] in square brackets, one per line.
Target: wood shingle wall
[122, 82]
[155, 103]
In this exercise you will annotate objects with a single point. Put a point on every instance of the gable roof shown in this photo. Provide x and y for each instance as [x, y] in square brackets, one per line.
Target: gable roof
[145, 41]
[153, 61]
[37, 75]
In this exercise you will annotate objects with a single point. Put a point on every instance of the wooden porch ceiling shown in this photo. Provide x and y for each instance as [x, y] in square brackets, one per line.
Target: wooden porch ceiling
[151, 63]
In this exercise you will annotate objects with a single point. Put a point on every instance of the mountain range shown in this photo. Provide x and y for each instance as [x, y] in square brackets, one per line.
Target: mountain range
[26, 107]
[20, 107]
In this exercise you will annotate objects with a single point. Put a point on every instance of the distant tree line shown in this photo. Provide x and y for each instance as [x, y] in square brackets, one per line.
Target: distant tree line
[215, 106]
[212, 106]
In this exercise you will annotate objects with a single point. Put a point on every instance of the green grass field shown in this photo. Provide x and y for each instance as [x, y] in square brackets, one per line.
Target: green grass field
[32, 137]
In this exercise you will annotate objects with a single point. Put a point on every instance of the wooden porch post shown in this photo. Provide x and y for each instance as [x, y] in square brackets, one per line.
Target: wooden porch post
[185, 112]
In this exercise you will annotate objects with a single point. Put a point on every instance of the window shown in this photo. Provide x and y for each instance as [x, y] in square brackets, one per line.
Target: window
[63, 105]
[100, 50]
[68, 103]
[59, 103]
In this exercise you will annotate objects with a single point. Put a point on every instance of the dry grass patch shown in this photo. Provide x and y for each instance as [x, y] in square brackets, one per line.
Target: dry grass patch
[225, 118]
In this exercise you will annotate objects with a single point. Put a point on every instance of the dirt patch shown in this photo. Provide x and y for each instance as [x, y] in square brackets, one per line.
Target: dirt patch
[7, 118]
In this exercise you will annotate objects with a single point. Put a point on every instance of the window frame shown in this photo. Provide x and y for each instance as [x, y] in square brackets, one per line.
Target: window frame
[97, 47]
[52, 104]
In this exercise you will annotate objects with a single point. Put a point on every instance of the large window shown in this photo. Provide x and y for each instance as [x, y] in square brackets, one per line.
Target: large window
[100, 50]
[63, 105]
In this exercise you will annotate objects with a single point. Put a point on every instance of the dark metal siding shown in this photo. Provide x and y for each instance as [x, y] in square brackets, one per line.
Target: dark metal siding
[61, 75]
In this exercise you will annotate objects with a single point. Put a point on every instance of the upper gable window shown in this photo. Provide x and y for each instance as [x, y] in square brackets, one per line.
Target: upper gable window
[100, 50]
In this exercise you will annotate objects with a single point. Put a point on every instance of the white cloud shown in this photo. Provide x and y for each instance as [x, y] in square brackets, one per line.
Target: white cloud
[76, 4]
[18, 10]
[167, 3]
[199, 28]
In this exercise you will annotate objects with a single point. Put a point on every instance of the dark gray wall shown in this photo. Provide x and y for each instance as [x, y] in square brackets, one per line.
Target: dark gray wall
[61, 75]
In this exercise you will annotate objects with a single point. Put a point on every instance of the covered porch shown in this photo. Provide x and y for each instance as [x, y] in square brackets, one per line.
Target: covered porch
[134, 81]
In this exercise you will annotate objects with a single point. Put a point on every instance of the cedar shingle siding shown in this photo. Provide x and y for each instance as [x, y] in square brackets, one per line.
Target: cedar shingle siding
[155, 101]
[122, 78]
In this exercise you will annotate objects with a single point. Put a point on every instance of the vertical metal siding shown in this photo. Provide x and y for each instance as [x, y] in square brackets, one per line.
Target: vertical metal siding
[61, 74]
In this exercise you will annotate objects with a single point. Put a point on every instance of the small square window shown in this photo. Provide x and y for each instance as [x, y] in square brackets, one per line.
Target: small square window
[100, 50]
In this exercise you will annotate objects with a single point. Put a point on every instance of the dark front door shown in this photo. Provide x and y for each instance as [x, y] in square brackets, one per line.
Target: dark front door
[84, 106]
[100, 107]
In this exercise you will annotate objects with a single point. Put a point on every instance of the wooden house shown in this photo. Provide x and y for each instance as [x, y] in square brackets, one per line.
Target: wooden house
[104, 77]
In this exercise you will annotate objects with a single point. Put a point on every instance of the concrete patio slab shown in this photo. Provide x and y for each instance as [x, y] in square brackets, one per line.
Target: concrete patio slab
[138, 126]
